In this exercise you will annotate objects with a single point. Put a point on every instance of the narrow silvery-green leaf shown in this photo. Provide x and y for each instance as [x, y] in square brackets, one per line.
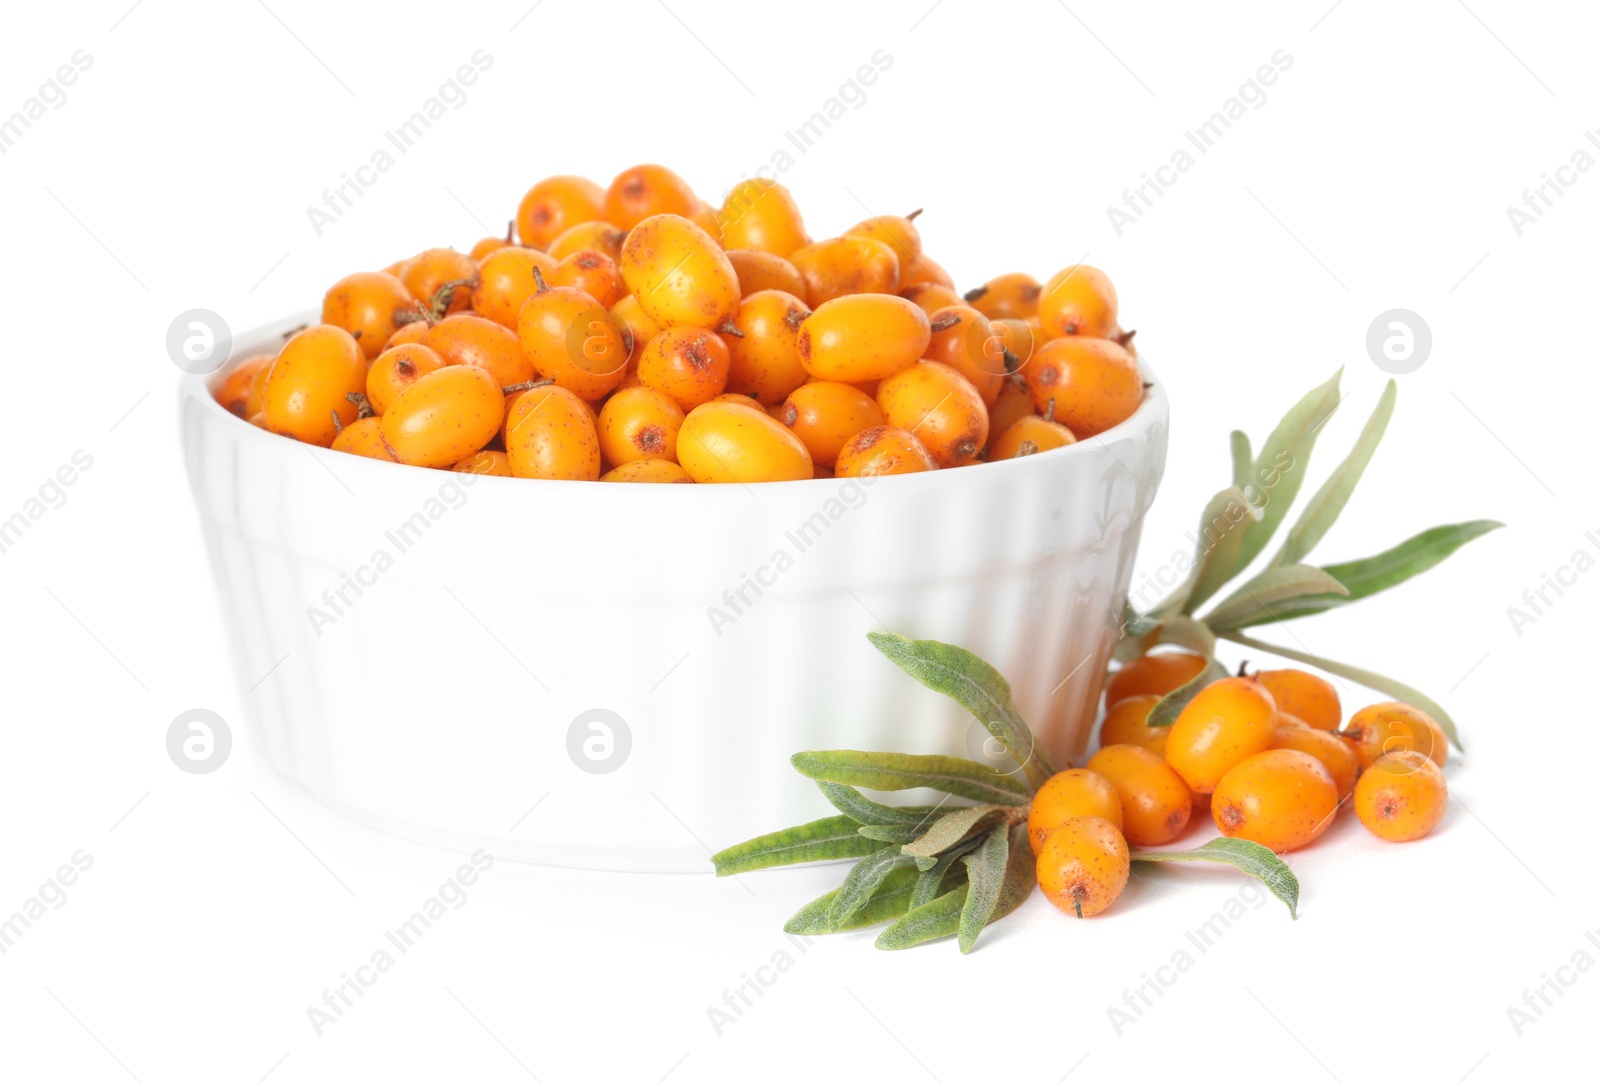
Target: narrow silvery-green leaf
[1224, 524]
[891, 833]
[1243, 463]
[903, 771]
[831, 837]
[863, 881]
[1324, 507]
[976, 686]
[1188, 633]
[1397, 689]
[931, 879]
[986, 871]
[852, 803]
[951, 829]
[1382, 571]
[1280, 466]
[1252, 858]
[939, 918]
[1169, 707]
[890, 901]
[1263, 592]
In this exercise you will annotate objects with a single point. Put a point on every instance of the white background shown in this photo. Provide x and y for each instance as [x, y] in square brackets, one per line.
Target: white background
[1376, 175]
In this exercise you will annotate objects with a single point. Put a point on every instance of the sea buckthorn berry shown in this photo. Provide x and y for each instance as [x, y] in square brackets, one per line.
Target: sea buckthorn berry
[234, 392]
[1009, 407]
[1084, 866]
[574, 340]
[930, 297]
[1309, 698]
[764, 361]
[431, 270]
[412, 331]
[899, 232]
[705, 216]
[688, 364]
[760, 214]
[465, 339]
[444, 417]
[846, 265]
[863, 337]
[1402, 796]
[495, 464]
[487, 245]
[1158, 673]
[679, 274]
[1124, 724]
[639, 423]
[638, 193]
[640, 328]
[594, 273]
[1333, 751]
[1281, 799]
[362, 437]
[1078, 300]
[963, 340]
[759, 271]
[505, 282]
[1067, 795]
[728, 442]
[365, 304]
[1028, 436]
[1088, 385]
[306, 392]
[941, 408]
[825, 415]
[599, 236]
[1010, 295]
[923, 270]
[882, 450]
[556, 204]
[550, 433]
[1226, 722]
[1155, 801]
[647, 470]
[1390, 727]
[396, 370]
[1017, 336]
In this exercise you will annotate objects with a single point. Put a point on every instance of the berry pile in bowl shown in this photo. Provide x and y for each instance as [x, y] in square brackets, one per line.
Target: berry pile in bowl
[635, 333]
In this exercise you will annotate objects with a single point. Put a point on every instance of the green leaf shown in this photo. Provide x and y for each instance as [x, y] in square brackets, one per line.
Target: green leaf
[1323, 509]
[1399, 690]
[951, 829]
[1224, 524]
[890, 833]
[976, 686]
[831, 837]
[890, 901]
[1382, 571]
[902, 771]
[1239, 447]
[1188, 633]
[1169, 707]
[1252, 858]
[863, 880]
[1262, 593]
[939, 918]
[1281, 465]
[852, 803]
[931, 879]
[986, 871]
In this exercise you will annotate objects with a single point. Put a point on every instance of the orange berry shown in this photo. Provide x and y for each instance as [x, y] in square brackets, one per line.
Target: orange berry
[1078, 300]
[1028, 436]
[1088, 385]
[594, 273]
[1155, 801]
[963, 340]
[305, 393]
[431, 270]
[897, 231]
[598, 236]
[846, 265]
[366, 305]
[863, 337]
[1018, 336]
[882, 450]
[571, 338]
[556, 204]
[1226, 722]
[937, 404]
[759, 271]
[1402, 796]
[465, 339]
[930, 297]
[1067, 795]
[396, 369]
[1158, 673]
[679, 274]
[1281, 799]
[825, 415]
[765, 361]
[486, 245]
[413, 331]
[647, 470]
[640, 329]
[505, 281]
[639, 423]
[689, 364]
[495, 464]
[1336, 754]
[923, 270]
[1390, 727]
[234, 392]
[728, 442]
[1304, 695]
[363, 437]
[444, 417]
[1124, 724]
[550, 433]
[760, 214]
[638, 193]
[1010, 295]
[1009, 407]
[1084, 866]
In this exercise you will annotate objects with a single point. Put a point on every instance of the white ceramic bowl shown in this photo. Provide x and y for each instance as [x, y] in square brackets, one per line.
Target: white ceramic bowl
[426, 652]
